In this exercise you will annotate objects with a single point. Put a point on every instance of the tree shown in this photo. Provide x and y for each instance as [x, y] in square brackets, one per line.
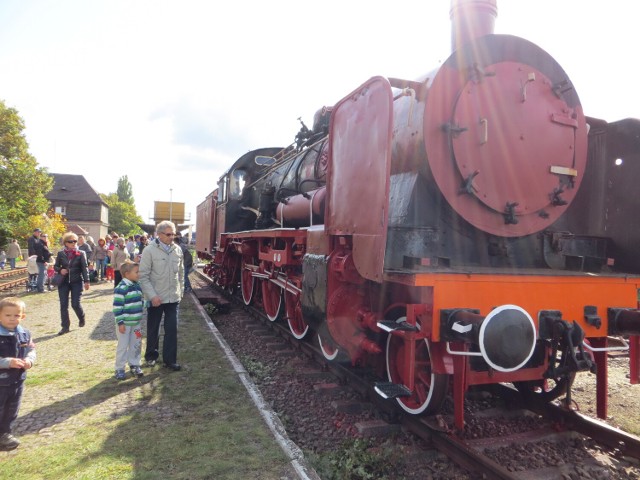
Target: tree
[125, 190]
[123, 217]
[23, 185]
[52, 224]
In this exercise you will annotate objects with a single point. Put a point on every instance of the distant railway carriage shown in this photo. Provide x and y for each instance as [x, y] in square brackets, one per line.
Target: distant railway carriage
[469, 227]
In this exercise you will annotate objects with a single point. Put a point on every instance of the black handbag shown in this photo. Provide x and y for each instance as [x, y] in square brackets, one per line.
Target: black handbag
[58, 279]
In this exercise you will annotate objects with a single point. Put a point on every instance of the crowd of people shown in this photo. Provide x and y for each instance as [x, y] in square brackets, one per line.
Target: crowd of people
[149, 273]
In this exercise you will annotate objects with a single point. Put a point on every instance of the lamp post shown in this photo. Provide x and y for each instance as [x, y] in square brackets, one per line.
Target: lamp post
[171, 204]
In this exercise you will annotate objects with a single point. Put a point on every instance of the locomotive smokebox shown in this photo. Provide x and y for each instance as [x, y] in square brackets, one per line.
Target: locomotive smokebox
[506, 337]
[471, 19]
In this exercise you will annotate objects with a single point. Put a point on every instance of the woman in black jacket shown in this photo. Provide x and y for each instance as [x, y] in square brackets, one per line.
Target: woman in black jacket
[72, 264]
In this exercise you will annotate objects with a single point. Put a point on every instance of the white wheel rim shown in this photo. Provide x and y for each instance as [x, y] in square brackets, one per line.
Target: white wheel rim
[427, 402]
[325, 353]
[247, 301]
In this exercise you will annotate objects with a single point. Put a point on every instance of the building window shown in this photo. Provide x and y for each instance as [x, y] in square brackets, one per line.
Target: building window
[61, 210]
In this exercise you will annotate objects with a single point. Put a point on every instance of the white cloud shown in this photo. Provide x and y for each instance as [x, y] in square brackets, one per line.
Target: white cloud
[171, 93]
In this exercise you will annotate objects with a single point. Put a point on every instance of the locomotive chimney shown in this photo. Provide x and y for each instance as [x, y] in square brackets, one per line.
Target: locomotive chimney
[471, 19]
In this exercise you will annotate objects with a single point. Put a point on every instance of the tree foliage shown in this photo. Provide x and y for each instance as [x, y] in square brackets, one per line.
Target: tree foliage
[123, 217]
[23, 185]
[125, 190]
[52, 224]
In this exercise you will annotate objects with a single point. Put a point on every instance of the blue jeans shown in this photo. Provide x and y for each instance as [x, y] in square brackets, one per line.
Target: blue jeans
[12, 262]
[101, 265]
[170, 343]
[41, 274]
[10, 398]
[76, 294]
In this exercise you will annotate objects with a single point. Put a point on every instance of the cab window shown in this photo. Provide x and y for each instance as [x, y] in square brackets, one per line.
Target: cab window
[223, 185]
[237, 182]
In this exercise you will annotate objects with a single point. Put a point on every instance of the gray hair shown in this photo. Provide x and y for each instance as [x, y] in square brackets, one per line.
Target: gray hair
[162, 226]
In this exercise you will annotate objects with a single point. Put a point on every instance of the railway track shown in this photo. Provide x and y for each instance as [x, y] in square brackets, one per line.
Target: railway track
[13, 278]
[556, 444]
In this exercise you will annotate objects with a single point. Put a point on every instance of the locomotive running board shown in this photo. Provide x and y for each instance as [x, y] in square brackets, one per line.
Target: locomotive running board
[391, 390]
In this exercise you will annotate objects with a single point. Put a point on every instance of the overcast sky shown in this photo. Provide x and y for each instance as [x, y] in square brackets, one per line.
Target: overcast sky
[170, 93]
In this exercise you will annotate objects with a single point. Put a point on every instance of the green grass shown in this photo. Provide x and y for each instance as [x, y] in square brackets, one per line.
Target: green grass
[195, 424]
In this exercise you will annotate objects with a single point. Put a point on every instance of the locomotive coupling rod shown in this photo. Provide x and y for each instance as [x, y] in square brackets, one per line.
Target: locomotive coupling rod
[624, 321]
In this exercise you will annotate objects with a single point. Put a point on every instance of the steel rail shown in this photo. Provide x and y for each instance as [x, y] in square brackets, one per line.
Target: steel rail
[614, 438]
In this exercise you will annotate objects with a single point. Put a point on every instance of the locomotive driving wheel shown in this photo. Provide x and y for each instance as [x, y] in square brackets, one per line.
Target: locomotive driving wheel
[247, 280]
[226, 274]
[297, 325]
[271, 299]
[429, 389]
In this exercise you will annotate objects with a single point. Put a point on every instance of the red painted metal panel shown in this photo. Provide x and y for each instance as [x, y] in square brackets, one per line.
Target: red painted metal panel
[602, 377]
[205, 224]
[221, 219]
[358, 175]
[634, 359]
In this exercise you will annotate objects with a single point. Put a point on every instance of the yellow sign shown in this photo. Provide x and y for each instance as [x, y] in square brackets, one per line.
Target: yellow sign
[172, 211]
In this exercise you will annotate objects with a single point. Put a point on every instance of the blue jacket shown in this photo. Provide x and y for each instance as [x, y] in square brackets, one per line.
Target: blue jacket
[16, 344]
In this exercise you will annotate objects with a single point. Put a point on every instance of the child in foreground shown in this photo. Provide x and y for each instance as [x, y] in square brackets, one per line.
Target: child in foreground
[127, 309]
[17, 355]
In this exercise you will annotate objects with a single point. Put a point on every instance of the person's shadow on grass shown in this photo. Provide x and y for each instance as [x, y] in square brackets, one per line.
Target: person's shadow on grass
[58, 412]
[44, 338]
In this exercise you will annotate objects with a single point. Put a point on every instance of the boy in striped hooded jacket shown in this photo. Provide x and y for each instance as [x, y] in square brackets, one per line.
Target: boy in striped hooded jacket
[127, 309]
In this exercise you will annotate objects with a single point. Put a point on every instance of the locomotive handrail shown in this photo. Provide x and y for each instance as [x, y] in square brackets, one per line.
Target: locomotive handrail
[407, 92]
[462, 353]
[607, 349]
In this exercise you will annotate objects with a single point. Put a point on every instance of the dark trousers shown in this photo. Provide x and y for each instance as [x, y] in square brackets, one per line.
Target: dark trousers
[117, 278]
[76, 294]
[10, 398]
[170, 343]
[187, 282]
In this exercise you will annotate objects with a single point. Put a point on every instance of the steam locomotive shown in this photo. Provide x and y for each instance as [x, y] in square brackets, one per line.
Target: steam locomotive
[468, 227]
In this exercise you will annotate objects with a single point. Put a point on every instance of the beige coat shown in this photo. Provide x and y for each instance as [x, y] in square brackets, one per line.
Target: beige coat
[162, 273]
[118, 256]
[13, 250]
